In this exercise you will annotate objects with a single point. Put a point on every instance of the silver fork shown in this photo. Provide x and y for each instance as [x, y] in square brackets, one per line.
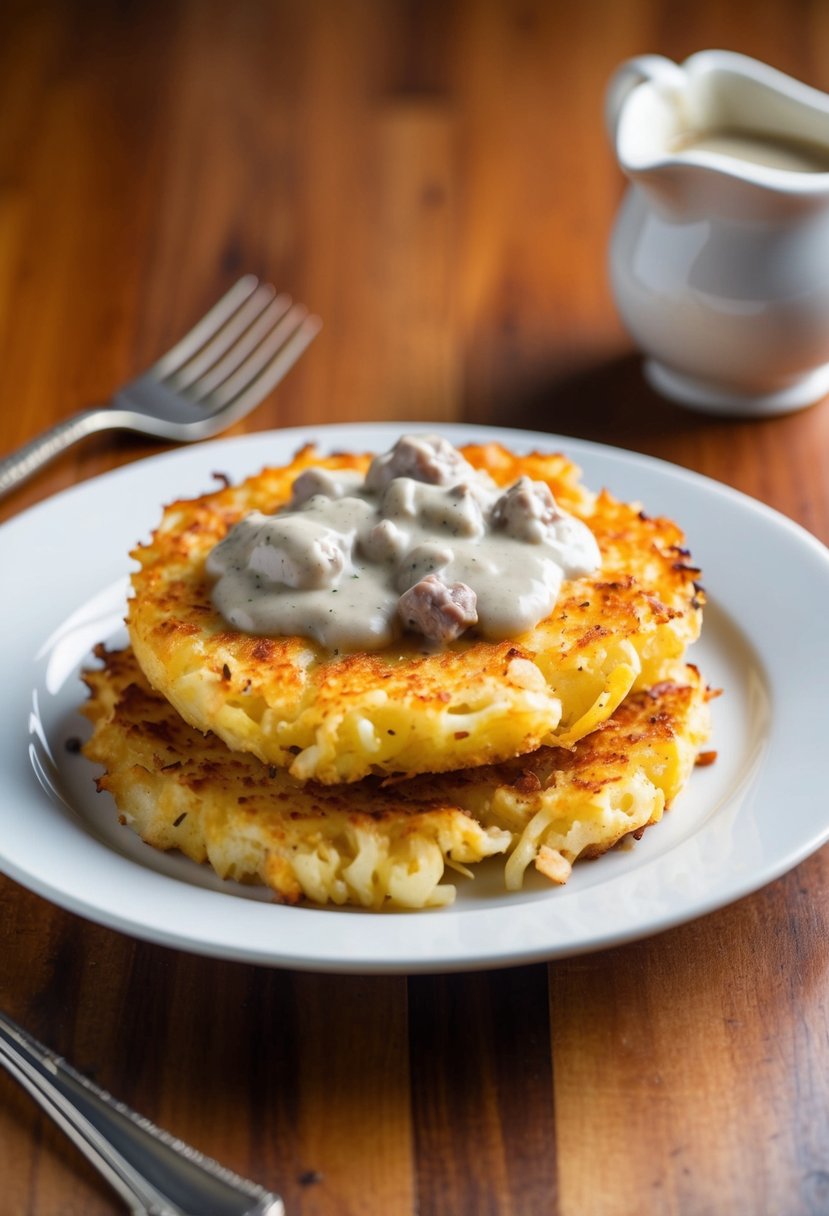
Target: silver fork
[213, 377]
[155, 1174]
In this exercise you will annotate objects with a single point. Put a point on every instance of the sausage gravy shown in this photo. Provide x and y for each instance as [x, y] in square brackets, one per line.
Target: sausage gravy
[424, 543]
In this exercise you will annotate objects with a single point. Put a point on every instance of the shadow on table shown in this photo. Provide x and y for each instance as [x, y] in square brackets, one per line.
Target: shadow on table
[607, 400]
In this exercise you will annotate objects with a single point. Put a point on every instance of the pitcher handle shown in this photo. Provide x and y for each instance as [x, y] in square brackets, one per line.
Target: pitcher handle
[636, 71]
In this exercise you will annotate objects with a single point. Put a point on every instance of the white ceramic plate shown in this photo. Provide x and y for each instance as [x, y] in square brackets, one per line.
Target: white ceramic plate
[741, 822]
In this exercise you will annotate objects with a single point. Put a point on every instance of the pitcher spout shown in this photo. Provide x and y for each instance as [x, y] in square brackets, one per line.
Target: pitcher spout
[668, 79]
[723, 125]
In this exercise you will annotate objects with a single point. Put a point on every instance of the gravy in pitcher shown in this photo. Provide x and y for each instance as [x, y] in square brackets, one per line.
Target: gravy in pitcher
[759, 148]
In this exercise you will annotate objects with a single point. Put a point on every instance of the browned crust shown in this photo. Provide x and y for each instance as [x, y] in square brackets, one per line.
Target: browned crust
[646, 584]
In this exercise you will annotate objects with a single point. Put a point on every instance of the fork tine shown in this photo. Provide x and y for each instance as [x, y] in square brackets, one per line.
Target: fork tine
[239, 393]
[250, 340]
[224, 338]
[206, 327]
[256, 360]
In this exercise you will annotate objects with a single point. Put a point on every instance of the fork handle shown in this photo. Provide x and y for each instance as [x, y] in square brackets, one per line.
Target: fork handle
[32, 456]
[155, 1174]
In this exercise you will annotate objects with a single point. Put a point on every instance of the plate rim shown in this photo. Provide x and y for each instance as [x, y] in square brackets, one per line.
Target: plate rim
[76, 496]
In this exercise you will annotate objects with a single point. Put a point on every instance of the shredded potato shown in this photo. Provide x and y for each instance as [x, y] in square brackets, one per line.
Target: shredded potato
[338, 718]
[372, 844]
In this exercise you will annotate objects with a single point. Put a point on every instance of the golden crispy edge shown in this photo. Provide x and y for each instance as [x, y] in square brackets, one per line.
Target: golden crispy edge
[337, 719]
[373, 843]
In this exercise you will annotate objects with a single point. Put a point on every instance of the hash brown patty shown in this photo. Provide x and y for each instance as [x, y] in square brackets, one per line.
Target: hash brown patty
[338, 718]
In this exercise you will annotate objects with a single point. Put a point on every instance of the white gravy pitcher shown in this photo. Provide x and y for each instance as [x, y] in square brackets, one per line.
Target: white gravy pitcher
[720, 253]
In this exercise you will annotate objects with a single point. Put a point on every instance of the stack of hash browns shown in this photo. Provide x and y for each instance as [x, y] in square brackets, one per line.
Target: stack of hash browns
[359, 779]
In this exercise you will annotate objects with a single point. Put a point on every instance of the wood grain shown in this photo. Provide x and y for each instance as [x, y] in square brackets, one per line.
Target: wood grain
[729, 1056]
[482, 1099]
[434, 180]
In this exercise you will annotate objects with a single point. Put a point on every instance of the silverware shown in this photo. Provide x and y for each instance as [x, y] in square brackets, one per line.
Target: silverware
[213, 377]
[153, 1172]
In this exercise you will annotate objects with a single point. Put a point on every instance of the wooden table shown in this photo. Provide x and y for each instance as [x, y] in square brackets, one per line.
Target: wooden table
[434, 180]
